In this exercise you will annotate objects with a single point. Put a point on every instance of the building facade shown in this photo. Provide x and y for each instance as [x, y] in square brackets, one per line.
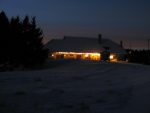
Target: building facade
[83, 48]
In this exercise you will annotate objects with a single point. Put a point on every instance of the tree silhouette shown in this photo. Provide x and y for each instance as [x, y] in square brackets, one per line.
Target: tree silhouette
[15, 41]
[32, 42]
[21, 42]
[4, 29]
[138, 56]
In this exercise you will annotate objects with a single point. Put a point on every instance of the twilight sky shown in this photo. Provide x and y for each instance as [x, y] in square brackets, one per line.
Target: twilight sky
[127, 20]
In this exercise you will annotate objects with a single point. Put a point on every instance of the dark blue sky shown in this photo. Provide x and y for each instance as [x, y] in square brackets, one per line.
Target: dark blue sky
[127, 20]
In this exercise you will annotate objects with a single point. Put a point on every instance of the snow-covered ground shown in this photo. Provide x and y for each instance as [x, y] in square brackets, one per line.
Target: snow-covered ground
[77, 87]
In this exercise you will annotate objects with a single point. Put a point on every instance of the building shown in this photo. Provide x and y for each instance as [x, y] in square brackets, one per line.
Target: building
[85, 48]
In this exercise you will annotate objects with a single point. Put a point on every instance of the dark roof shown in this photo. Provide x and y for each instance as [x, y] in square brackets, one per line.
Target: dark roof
[83, 44]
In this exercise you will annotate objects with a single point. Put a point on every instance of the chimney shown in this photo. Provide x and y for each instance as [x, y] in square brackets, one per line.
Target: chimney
[99, 38]
[121, 43]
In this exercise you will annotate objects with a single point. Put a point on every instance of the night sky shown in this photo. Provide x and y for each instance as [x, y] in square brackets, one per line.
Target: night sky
[127, 20]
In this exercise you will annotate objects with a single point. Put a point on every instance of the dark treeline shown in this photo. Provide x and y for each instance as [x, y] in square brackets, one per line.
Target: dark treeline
[138, 56]
[20, 43]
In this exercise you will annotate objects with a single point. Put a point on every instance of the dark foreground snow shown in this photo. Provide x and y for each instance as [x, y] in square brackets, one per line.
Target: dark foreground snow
[77, 87]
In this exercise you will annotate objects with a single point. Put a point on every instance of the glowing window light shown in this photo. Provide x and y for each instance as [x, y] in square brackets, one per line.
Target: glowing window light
[77, 53]
[111, 57]
[86, 55]
[83, 55]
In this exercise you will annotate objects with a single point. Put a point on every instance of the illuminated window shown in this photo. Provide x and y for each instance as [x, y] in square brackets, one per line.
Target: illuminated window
[86, 55]
[76, 55]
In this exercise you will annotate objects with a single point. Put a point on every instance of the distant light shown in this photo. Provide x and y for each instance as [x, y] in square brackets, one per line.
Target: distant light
[111, 57]
[86, 55]
[52, 55]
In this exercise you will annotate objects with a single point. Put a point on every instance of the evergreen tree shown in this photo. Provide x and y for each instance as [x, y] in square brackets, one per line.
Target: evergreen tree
[4, 34]
[21, 42]
[15, 41]
[33, 36]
